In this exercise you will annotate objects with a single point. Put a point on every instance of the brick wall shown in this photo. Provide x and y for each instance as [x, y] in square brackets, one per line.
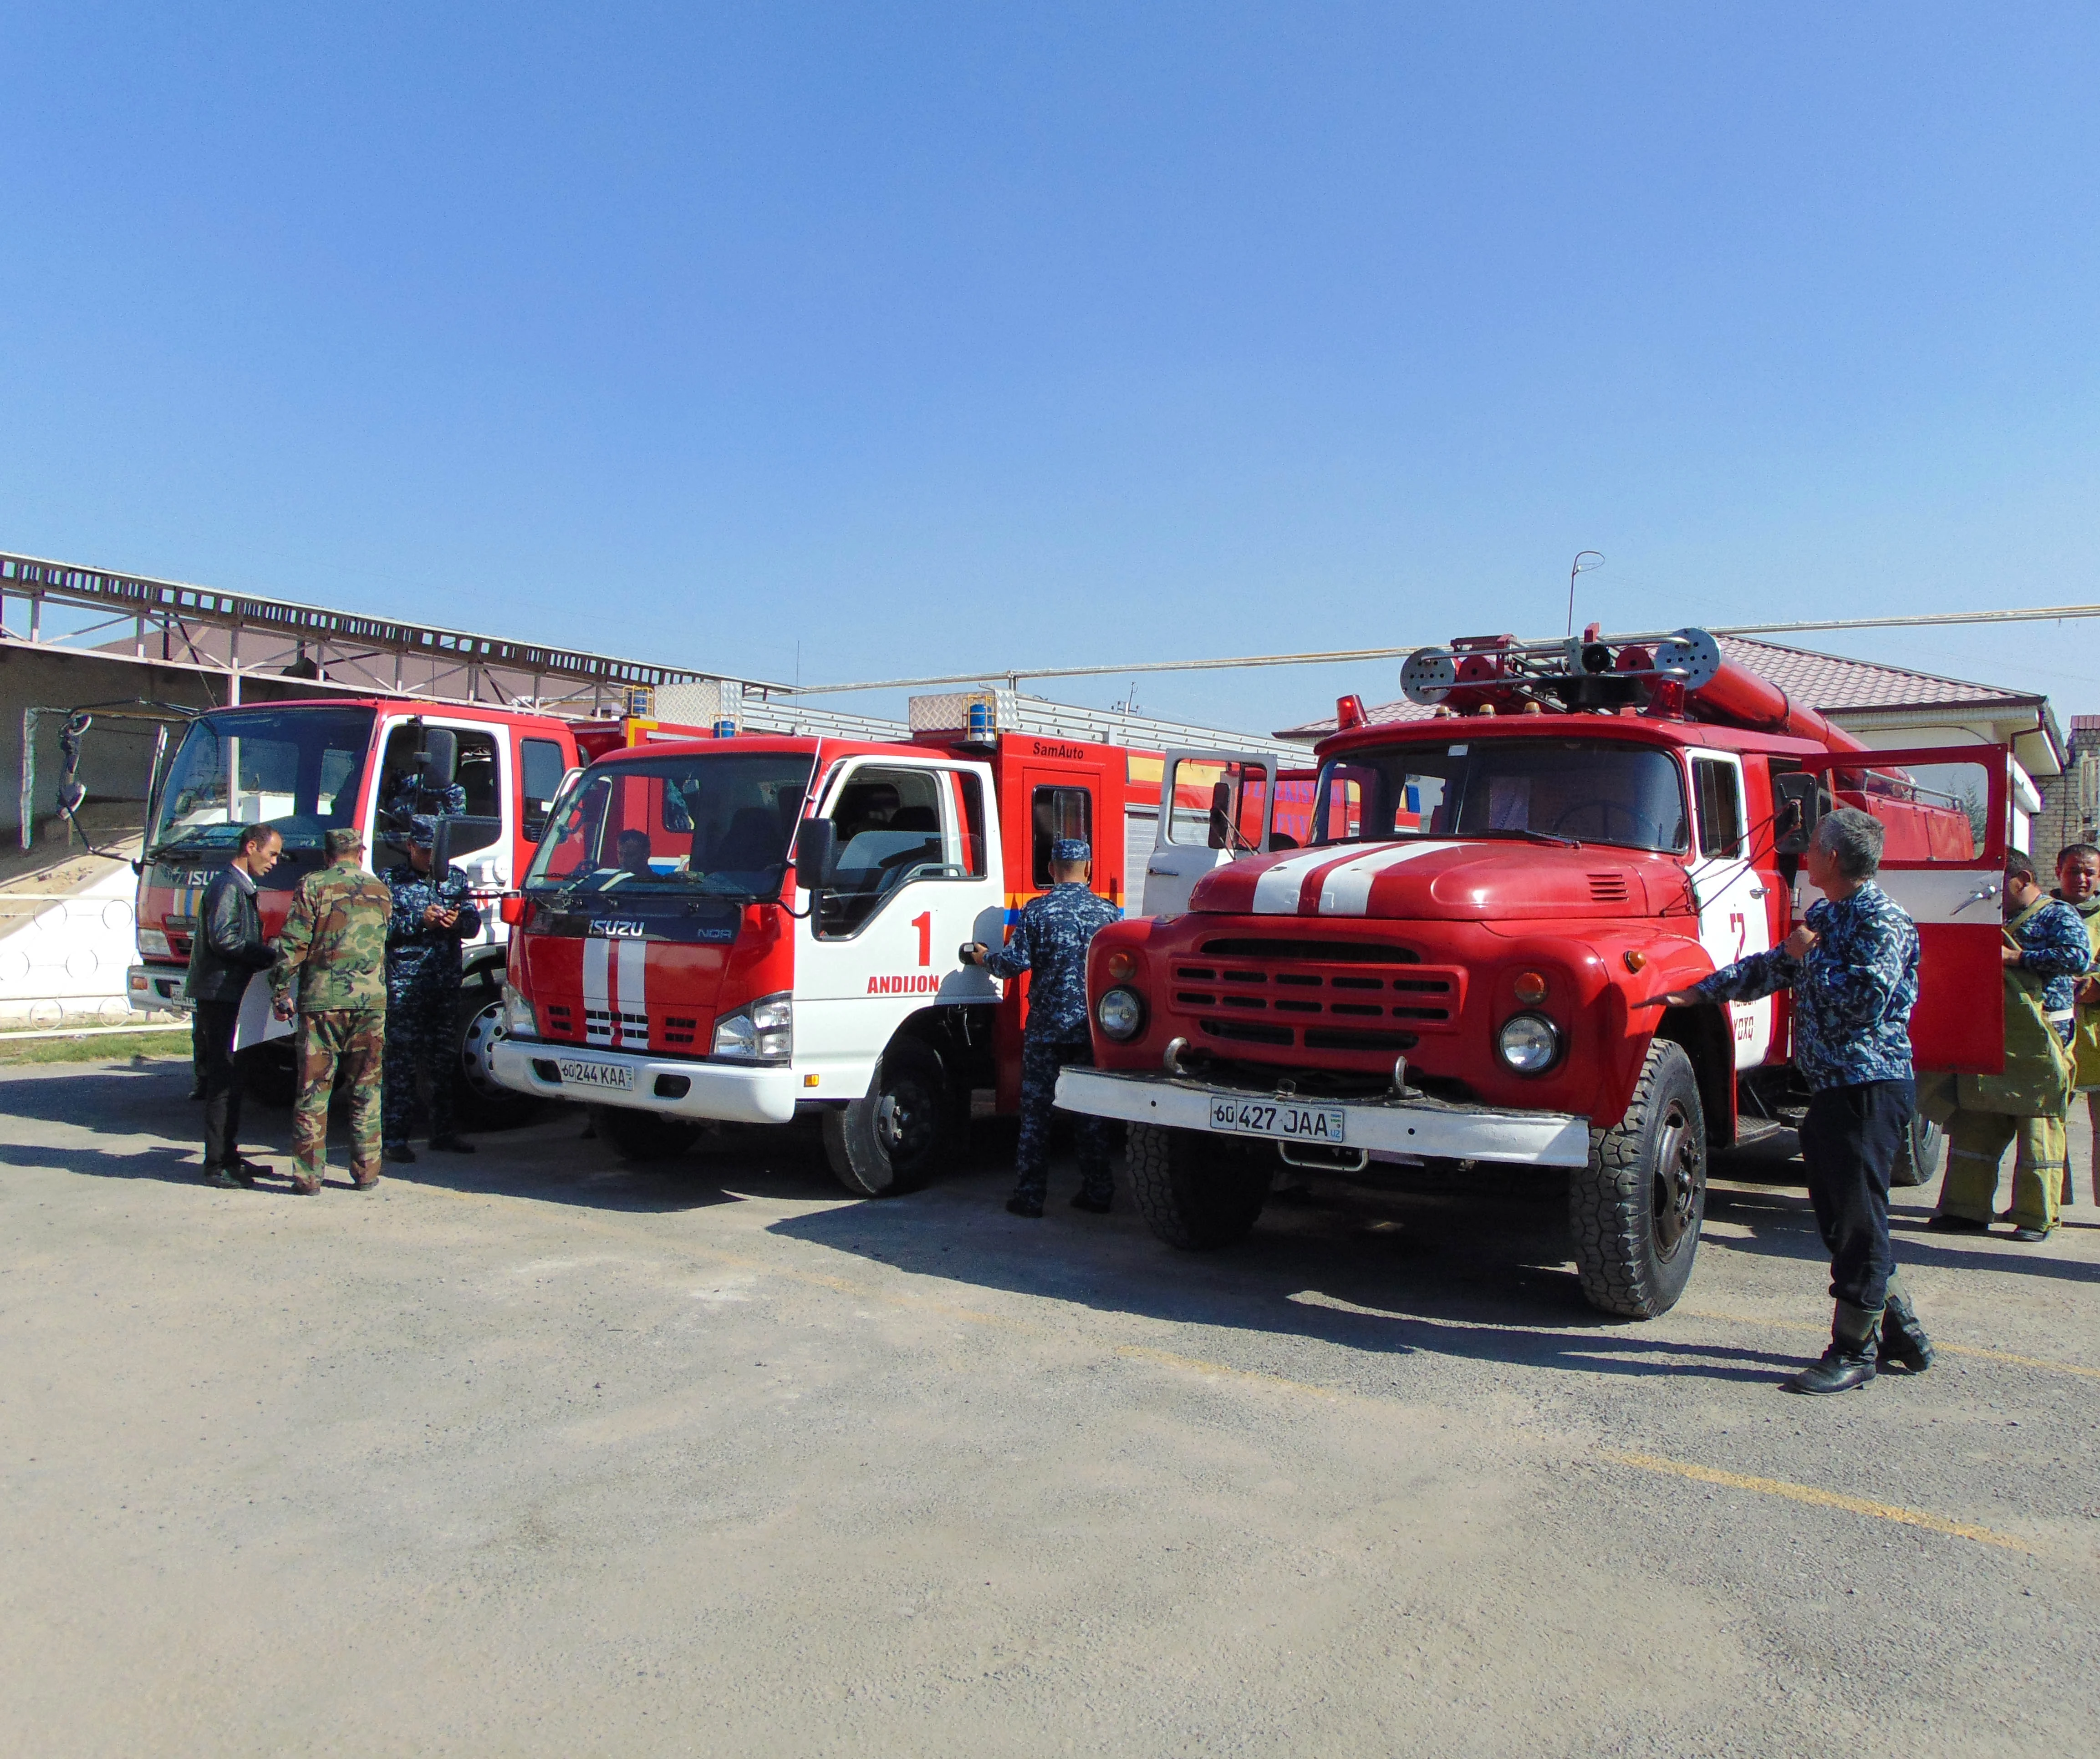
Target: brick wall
[2059, 821]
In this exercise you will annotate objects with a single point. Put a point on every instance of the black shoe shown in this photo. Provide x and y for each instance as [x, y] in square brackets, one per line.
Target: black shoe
[1838, 1370]
[451, 1142]
[1904, 1344]
[2028, 1236]
[225, 1179]
[1093, 1205]
[1027, 1206]
[1949, 1223]
[399, 1150]
[196, 1089]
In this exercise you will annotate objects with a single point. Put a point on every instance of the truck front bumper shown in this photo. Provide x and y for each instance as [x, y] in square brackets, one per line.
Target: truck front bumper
[678, 1089]
[1417, 1127]
[157, 989]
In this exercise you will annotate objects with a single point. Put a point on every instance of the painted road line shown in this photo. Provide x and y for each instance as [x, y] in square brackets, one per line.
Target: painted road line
[1950, 1349]
[1821, 1499]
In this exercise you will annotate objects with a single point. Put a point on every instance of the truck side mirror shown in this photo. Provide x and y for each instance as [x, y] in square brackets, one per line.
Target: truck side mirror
[455, 837]
[440, 756]
[1797, 809]
[817, 854]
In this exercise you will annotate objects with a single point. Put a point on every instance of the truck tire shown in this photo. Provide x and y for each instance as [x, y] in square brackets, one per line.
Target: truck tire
[892, 1141]
[479, 1100]
[644, 1135]
[1917, 1161]
[1194, 1192]
[1635, 1211]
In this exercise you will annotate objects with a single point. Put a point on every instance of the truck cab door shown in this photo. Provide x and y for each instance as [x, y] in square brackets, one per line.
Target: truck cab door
[1945, 812]
[1734, 921]
[1214, 807]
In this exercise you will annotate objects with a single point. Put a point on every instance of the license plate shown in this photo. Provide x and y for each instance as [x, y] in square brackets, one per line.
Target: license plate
[1276, 1118]
[578, 1074]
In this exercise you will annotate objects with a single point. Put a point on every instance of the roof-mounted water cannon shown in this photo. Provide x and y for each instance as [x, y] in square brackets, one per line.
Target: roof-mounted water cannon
[1497, 674]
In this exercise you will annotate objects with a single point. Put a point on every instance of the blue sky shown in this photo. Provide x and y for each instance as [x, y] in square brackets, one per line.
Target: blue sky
[934, 338]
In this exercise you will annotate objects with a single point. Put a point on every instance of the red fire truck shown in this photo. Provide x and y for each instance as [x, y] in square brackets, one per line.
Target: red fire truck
[306, 766]
[1454, 970]
[749, 929]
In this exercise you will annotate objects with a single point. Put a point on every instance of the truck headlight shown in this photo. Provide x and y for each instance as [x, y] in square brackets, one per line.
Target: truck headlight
[1529, 1043]
[152, 944]
[763, 1032]
[1120, 1013]
[519, 1021]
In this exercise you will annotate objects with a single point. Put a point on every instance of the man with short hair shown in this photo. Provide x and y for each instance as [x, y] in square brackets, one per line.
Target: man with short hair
[2045, 951]
[334, 948]
[433, 915]
[225, 954]
[2078, 885]
[1050, 942]
[1852, 967]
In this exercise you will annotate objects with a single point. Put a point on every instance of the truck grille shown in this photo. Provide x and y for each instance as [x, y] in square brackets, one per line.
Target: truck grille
[1341, 995]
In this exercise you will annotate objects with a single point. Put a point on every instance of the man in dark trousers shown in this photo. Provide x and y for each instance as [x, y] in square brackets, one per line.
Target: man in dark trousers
[433, 913]
[1852, 967]
[1050, 943]
[228, 950]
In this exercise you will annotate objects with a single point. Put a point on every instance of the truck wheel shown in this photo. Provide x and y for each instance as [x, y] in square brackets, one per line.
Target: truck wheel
[1917, 1161]
[1636, 1210]
[480, 1099]
[644, 1135]
[1193, 1191]
[893, 1140]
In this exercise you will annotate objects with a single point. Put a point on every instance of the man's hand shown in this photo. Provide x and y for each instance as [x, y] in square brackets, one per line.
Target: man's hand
[2088, 990]
[973, 952]
[2011, 954]
[1800, 942]
[281, 1006]
[435, 916]
[1672, 998]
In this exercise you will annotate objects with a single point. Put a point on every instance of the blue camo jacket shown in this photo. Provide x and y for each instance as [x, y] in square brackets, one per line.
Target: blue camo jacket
[418, 956]
[1051, 942]
[1852, 995]
[2055, 945]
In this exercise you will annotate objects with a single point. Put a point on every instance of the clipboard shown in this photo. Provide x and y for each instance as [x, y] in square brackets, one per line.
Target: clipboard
[258, 1023]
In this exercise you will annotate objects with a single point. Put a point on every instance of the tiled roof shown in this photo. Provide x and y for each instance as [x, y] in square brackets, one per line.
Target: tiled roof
[1823, 680]
[2085, 724]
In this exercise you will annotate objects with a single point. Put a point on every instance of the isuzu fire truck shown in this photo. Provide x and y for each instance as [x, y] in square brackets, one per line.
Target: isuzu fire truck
[749, 929]
[307, 767]
[1454, 970]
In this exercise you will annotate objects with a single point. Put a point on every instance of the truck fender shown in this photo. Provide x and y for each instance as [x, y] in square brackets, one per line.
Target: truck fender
[1667, 962]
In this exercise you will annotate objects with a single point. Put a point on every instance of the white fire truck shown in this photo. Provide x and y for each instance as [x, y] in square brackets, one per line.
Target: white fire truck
[748, 929]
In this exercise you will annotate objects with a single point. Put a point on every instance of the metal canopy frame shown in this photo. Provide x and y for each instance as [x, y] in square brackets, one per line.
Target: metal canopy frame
[207, 628]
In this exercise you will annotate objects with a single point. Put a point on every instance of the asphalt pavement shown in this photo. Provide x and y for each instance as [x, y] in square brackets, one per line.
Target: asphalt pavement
[534, 1452]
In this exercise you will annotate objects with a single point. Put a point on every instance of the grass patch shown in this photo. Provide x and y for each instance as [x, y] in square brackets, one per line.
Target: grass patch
[98, 1049]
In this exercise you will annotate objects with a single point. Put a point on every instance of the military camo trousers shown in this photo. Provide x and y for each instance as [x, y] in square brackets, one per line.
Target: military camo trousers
[422, 1038]
[350, 1041]
[1040, 1061]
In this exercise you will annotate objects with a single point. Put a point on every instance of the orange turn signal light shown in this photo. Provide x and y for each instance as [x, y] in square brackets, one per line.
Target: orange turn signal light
[1121, 964]
[1635, 960]
[1530, 988]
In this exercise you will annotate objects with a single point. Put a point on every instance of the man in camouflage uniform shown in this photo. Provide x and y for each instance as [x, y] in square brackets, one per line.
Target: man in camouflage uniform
[1050, 942]
[2046, 950]
[334, 949]
[1852, 965]
[433, 913]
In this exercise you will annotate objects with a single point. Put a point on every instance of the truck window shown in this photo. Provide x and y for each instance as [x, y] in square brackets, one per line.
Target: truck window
[298, 769]
[890, 831]
[1717, 799]
[543, 767]
[969, 794]
[1056, 813]
[1217, 806]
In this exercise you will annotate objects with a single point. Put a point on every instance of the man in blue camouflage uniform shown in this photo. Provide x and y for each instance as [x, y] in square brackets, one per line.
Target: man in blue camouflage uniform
[2046, 950]
[1853, 969]
[1050, 942]
[433, 913]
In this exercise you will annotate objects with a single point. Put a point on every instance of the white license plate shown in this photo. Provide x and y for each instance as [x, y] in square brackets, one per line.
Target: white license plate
[1276, 1117]
[578, 1074]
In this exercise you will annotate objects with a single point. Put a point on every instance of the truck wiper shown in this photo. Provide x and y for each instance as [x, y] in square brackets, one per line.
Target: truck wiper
[1553, 837]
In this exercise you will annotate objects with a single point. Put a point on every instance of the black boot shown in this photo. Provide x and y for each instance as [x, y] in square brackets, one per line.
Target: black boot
[1904, 1344]
[1848, 1362]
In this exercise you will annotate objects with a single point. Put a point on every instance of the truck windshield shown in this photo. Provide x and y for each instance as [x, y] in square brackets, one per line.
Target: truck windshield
[717, 826]
[300, 769]
[1585, 791]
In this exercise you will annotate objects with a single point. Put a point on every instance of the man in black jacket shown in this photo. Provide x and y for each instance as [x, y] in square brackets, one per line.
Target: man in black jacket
[227, 950]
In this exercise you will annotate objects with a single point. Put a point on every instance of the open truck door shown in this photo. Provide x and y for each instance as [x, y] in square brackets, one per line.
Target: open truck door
[1946, 812]
[1214, 807]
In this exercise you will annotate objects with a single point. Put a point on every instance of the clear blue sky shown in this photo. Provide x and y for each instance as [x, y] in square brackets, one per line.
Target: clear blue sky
[937, 337]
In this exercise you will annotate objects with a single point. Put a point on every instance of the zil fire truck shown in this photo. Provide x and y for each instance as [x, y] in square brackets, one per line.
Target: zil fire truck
[1454, 970]
[749, 929]
[305, 767]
